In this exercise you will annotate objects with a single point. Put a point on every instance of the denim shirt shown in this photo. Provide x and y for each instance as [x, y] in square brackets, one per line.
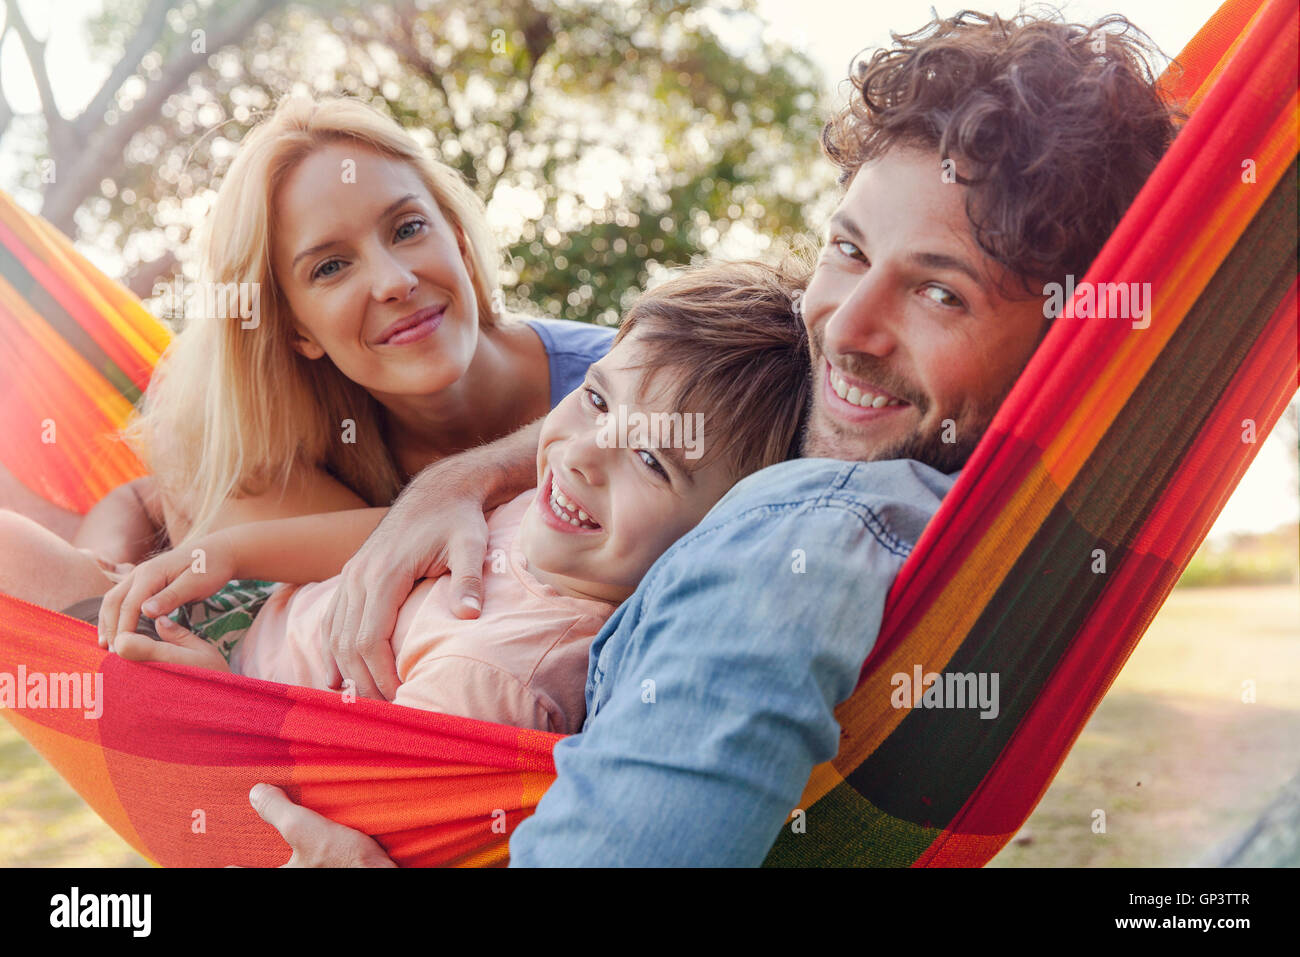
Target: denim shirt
[711, 691]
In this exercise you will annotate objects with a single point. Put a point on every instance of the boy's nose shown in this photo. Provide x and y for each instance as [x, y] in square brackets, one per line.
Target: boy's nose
[585, 456]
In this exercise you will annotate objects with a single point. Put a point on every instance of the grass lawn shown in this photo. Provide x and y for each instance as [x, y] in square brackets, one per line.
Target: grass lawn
[1173, 756]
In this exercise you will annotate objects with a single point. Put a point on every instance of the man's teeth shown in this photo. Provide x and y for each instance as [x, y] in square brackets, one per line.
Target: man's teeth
[569, 512]
[853, 394]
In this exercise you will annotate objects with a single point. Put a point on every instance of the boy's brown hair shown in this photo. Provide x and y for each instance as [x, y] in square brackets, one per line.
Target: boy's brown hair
[1054, 125]
[730, 336]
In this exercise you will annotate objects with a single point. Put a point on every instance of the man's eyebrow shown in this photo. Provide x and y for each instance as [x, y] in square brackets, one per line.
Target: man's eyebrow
[841, 221]
[321, 247]
[944, 261]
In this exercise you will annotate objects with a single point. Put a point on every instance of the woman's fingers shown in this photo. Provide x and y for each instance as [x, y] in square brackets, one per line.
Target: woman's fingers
[186, 587]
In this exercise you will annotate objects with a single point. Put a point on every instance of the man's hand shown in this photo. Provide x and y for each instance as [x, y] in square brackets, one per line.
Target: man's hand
[316, 841]
[435, 526]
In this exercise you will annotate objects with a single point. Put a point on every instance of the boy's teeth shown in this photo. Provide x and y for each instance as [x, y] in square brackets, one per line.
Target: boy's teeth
[854, 395]
[565, 509]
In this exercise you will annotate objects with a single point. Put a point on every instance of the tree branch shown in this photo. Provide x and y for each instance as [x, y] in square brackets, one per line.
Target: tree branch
[71, 189]
[538, 37]
[151, 28]
[60, 137]
[6, 111]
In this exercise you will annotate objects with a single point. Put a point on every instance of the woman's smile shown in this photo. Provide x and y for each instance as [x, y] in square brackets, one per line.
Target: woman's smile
[413, 328]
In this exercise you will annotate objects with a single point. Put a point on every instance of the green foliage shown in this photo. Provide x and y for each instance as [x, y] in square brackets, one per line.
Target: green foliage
[633, 134]
[1248, 559]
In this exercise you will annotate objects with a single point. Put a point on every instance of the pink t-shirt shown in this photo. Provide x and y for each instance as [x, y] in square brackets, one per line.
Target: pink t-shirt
[522, 662]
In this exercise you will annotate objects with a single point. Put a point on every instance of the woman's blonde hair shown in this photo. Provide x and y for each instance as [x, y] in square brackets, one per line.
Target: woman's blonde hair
[233, 411]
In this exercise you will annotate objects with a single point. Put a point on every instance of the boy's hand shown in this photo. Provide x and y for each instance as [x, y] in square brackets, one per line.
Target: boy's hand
[179, 646]
[162, 584]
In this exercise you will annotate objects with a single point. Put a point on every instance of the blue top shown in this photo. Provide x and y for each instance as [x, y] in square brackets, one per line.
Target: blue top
[711, 691]
[570, 347]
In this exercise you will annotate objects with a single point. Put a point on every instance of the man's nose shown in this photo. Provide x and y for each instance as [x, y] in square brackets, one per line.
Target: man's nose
[393, 280]
[864, 320]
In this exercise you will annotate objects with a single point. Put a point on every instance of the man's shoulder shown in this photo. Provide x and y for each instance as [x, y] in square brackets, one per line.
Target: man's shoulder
[899, 494]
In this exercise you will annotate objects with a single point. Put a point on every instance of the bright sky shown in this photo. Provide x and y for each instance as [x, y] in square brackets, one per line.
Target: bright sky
[830, 31]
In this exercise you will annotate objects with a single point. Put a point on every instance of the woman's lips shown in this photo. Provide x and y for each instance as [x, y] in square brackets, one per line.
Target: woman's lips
[420, 326]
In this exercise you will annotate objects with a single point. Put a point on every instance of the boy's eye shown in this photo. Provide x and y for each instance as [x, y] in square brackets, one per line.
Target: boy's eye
[323, 272]
[652, 462]
[416, 224]
[595, 398]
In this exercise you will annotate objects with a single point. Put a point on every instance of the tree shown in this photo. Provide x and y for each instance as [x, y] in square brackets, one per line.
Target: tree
[608, 138]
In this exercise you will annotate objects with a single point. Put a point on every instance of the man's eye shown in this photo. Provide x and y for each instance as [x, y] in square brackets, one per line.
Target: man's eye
[652, 462]
[416, 224]
[943, 297]
[595, 398]
[847, 248]
[324, 272]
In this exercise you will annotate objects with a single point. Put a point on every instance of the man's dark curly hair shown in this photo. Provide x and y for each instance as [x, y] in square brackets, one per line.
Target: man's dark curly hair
[1055, 126]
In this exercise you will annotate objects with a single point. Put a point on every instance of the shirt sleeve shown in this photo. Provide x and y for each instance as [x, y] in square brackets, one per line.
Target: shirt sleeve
[737, 653]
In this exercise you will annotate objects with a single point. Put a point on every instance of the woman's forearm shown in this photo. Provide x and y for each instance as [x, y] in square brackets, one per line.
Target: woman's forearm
[308, 548]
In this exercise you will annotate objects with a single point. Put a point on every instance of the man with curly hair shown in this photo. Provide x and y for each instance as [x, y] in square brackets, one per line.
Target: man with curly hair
[981, 159]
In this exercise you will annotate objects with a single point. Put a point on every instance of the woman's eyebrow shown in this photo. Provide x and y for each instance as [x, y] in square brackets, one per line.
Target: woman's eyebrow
[321, 247]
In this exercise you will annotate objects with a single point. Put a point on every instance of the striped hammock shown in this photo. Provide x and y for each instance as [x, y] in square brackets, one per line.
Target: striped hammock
[1119, 441]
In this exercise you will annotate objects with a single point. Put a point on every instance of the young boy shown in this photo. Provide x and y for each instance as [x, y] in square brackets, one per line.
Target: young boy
[695, 394]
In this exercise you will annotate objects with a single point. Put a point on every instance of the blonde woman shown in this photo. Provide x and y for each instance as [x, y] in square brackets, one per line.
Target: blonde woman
[375, 346]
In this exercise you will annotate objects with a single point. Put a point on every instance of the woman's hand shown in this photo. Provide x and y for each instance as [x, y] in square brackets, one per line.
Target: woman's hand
[436, 526]
[162, 584]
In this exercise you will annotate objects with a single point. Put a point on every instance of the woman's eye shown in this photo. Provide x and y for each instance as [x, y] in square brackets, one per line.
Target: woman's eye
[415, 224]
[943, 297]
[324, 272]
[652, 462]
[595, 398]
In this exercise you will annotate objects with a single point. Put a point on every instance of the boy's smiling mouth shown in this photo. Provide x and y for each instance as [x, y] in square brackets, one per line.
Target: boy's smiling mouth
[560, 511]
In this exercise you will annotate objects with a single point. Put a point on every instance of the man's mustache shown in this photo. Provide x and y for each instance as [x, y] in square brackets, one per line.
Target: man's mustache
[872, 370]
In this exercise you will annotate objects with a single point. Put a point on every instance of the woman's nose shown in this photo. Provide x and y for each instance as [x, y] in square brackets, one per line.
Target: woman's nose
[393, 280]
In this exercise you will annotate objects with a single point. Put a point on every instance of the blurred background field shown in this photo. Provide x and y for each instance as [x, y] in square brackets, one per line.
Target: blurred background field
[613, 141]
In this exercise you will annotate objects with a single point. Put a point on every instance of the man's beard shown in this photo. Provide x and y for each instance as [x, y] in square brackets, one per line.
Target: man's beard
[929, 449]
[838, 441]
